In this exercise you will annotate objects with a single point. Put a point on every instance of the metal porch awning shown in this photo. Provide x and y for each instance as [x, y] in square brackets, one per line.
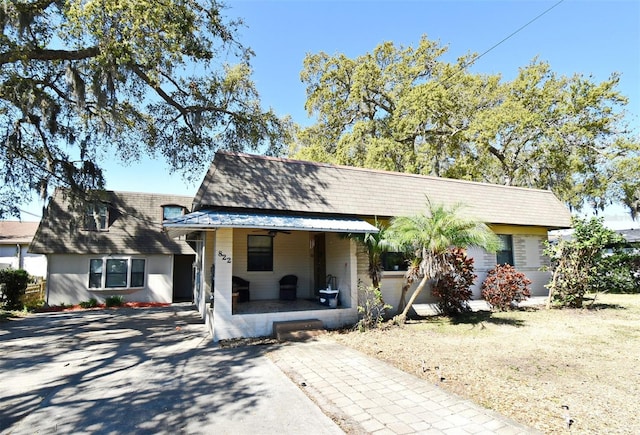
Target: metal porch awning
[210, 219]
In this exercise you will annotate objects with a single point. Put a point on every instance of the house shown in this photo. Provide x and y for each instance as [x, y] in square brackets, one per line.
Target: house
[256, 219]
[631, 236]
[15, 238]
[115, 246]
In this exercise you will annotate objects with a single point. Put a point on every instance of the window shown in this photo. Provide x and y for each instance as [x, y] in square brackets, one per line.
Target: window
[96, 218]
[95, 273]
[172, 211]
[137, 273]
[505, 252]
[116, 272]
[259, 253]
[394, 261]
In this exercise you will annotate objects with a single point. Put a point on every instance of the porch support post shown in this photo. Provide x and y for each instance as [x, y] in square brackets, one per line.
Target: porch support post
[353, 274]
[223, 261]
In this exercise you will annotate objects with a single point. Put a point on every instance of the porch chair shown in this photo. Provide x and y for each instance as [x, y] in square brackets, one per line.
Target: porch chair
[241, 286]
[288, 287]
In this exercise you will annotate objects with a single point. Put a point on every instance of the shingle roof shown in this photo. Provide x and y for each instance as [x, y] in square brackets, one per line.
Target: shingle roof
[266, 183]
[17, 232]
[631, 235]
[135, 227]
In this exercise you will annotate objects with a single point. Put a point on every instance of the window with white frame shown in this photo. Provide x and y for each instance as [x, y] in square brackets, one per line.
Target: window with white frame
[116, 272]
[96, 217]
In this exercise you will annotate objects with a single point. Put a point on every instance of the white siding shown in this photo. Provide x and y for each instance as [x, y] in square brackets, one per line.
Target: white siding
[34, 264]
[68, 281]
[9, 256]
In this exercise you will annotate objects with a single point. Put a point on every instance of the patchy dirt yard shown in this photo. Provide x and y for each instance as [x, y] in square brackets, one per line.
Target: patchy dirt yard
[527, 365]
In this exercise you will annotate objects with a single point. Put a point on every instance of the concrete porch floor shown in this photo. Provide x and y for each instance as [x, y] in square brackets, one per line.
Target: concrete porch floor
[279, 306]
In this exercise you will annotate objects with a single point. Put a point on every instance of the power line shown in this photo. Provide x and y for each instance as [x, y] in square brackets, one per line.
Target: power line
[20, 210]
[540, 15]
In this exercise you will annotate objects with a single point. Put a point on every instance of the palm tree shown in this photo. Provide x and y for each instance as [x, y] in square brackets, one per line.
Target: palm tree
[430, 235]
[375, 245]
[410, 276]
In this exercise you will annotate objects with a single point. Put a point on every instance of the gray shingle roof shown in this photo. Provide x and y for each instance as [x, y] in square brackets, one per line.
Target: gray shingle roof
[265, 183]
[631, 235]
[135, 227]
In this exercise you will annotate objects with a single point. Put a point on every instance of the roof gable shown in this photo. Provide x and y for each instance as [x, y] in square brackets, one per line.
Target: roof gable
[135, 227]
[274, 184]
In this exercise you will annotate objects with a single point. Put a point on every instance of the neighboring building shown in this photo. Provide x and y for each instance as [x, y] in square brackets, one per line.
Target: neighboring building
[631, 236]
[15, 238]
[256, 219]
[115, 247]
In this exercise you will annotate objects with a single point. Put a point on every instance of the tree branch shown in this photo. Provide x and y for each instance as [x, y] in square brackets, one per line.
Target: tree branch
[14, 56]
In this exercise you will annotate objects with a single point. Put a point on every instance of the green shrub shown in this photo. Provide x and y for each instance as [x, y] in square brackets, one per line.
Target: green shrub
[91, 303]
[31, 304]
[617, 273]
[505, 285]
[574, 262]
[15, 284]
[114, 301]
[453, 290]
[371, 307]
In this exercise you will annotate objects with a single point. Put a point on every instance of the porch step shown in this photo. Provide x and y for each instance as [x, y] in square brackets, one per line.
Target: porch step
[292, 330]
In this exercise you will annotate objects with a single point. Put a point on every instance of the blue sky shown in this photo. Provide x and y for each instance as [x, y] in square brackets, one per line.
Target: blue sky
[593, 38]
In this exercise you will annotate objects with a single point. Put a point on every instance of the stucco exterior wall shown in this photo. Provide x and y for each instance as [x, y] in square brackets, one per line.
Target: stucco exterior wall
[291, 255]
[223, 324]
[68, 281]
[261, 324]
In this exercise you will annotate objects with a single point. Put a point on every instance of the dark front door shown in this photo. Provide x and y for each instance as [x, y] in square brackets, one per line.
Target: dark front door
[183, 278]
[319, 263]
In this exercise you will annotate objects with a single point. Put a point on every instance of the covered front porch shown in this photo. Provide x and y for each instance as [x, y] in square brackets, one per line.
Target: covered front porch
[242, 261]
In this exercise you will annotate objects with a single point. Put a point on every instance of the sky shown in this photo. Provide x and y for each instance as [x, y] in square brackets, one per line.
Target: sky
[588, 37]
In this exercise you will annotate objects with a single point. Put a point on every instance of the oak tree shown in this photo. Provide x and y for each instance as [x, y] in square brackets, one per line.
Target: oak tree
[406, 109]
[82, 81]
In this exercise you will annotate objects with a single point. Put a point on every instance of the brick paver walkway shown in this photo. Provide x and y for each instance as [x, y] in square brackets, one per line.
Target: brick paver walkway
[365, 395]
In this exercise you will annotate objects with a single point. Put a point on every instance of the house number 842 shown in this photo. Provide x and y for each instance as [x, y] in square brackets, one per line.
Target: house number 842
[224, 257]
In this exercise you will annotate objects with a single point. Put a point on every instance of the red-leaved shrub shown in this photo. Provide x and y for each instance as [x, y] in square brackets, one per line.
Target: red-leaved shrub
[503, 286]
[453, 289]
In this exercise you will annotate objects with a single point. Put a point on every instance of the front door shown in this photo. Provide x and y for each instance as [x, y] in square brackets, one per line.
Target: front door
[183, 278]
[319, 263]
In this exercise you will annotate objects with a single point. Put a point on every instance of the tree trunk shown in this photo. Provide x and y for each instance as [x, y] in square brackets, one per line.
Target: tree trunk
[403, 316]
[552, 288]
[403, 298]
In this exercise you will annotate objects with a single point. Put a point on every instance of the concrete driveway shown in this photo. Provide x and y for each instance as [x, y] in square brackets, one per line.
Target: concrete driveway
[141, 371]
